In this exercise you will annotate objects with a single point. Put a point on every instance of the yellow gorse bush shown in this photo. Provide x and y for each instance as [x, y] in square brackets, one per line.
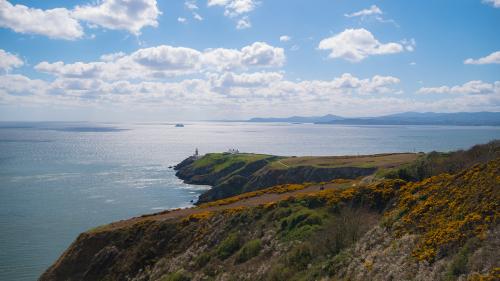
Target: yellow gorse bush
[447, 210]
[282, 188]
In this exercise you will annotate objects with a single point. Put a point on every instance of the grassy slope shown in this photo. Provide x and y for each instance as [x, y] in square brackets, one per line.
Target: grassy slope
[364, 161]
[435, 163]
[220, 161]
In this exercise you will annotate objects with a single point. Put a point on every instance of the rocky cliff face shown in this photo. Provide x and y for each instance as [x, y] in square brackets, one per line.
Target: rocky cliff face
[442, 228]
[244, 176]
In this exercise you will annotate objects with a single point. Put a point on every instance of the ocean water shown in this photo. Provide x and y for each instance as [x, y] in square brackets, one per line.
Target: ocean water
[59, 179]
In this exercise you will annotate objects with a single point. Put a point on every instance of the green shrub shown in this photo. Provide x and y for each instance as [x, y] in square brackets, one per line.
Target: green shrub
[313, 202]
[300, 225]
[300, 256]
[458, 264]
[248, 251]
[280, 213]
[176, 276]
[337, 262]
[202, 260]
[229, 246]
[302, 218]
[240, 218]
[283, 203]
[279, 272]
[301, 233]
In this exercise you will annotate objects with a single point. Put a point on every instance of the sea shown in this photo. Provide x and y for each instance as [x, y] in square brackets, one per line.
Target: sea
[58, 179]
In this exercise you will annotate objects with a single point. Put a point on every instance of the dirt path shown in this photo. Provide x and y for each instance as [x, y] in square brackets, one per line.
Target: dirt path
[285, 165]
[248, 202]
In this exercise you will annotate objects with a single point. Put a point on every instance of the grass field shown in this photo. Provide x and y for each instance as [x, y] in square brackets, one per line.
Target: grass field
[362, 161]
[224, 160]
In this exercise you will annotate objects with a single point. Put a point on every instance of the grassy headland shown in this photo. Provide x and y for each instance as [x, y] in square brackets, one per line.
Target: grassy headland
[442, 227]
[232, 174]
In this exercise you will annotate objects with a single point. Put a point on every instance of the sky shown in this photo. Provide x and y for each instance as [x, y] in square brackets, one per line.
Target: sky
[148, 60]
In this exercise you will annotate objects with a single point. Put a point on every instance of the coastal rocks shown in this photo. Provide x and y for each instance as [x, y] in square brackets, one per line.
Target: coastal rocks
[185, 162]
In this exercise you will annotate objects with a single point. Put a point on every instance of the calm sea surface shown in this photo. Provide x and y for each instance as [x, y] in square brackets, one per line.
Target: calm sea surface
[59, 179]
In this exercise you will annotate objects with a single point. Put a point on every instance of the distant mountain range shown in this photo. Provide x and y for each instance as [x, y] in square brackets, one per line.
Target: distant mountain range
[300, 119]
[406, 118]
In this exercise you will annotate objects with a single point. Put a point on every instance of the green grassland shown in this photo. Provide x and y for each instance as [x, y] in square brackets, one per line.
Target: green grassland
[219, 161]
[363, 161]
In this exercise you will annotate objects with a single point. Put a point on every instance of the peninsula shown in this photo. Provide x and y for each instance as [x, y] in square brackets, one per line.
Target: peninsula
[400, 216]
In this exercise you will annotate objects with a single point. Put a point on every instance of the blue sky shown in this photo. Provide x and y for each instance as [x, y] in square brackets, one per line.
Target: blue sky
[232, 59]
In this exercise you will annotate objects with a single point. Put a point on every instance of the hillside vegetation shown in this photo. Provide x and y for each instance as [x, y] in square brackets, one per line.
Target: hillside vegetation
[435, 163]
[444, 227]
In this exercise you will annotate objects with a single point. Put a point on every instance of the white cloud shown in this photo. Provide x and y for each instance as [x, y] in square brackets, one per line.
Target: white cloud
[130, 15]
[409, 44]
[233, 8]
[355, 45]
[112, 56]
[74, 70]
[236, 8]
[475, 87]
[493, 58]
[494, 3]
[167, 58]
[245, 80]
[163, 61]
[285, 38]
[197, 16]
[54, 23]
[262, 54]
[181, 20]
[61, 23]
[373, 10]
[20, 85]
[9, 61]
[191, 5]
[243, 23]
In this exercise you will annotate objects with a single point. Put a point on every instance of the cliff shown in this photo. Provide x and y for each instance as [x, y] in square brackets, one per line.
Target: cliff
[442, 228]
[233, 174]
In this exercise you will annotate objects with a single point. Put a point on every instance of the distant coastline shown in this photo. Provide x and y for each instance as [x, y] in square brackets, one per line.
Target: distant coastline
[406, 118]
